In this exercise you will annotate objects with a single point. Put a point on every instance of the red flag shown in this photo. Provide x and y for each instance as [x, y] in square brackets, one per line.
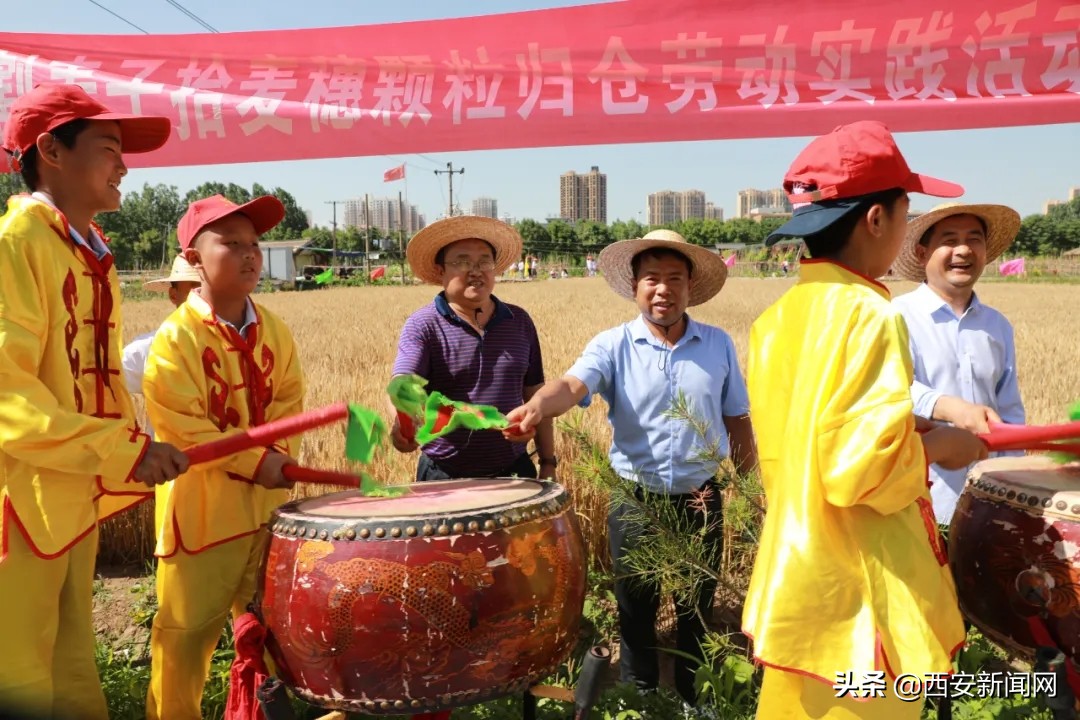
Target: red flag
[393, 174]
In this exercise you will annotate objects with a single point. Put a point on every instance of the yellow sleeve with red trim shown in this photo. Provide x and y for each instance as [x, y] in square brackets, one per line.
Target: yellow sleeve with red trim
[37, 427]
[867, 447]
[176, 391]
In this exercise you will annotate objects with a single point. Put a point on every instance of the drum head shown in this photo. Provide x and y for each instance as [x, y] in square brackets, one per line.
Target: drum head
[1035, 482]
[424, 498]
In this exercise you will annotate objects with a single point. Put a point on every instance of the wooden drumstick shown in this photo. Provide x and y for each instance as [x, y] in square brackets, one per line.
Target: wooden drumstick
[1021, 437]
[267, 434]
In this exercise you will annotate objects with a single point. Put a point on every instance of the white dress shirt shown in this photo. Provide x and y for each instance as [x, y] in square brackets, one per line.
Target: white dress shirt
[972, 357]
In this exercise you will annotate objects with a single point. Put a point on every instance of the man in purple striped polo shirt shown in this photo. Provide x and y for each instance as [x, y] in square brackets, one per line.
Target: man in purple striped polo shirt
[472, 347]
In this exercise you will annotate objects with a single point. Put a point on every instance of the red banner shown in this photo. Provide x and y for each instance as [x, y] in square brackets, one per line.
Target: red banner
[631, 71]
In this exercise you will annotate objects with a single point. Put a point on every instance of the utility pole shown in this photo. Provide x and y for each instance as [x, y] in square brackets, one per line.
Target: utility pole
[333, 228]
[450, 171]
[401, 235]
[367, 239]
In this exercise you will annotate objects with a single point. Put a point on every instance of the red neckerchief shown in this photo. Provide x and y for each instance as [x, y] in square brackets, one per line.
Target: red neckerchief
[255, 381]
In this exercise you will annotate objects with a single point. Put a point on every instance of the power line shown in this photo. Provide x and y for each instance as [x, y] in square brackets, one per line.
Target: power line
[192, 15]
[119, 17]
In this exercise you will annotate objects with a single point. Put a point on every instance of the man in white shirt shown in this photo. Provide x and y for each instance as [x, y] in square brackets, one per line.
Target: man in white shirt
[963, 351]
[182, 280]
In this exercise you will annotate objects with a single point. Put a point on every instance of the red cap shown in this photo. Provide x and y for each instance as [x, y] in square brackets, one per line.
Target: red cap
[264, 212]
[853, 160]
[48, 106]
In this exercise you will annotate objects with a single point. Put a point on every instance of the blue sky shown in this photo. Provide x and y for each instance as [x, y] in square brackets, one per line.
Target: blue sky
[1022, 167]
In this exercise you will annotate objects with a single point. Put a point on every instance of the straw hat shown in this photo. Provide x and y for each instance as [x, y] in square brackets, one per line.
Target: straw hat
[708, 269]
[181, 272]
[1002, 224]
[427, 243]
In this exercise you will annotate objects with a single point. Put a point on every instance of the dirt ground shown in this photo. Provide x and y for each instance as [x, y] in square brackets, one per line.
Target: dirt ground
[123, 607]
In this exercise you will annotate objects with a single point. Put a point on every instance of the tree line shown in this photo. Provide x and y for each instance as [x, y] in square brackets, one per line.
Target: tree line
[142, 233]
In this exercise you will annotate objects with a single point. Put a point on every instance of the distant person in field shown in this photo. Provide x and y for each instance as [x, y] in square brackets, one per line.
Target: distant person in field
[177, 284]
[472, 347]
[640, 368]
[963, 351]
[71, 451]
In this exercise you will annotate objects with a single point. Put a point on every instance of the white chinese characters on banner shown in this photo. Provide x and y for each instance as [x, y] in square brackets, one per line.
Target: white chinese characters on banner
[474, 87]
[835, 48]
[403, 89]
[1004, 74]
[333, 98]
[137, 86]
[626, 74]
[16, 78]
[79, 71]
[200, 99]
[267, 85]
[914, 64]
[1064, 67]
[533, 80]
[694, 75]
[771, 73]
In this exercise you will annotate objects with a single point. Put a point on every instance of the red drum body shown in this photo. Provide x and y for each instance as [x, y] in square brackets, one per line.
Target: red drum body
[457, 592]
[1014, 548]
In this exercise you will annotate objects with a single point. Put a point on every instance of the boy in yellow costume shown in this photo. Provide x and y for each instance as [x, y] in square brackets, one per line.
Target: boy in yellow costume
[71, 452]
[218, 365]
[851, 586]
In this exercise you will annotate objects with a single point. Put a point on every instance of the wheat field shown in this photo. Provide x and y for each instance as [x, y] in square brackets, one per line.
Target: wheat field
[348, 339]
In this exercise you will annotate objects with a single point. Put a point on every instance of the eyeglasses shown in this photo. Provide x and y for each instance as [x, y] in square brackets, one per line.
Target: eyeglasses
[485, 265]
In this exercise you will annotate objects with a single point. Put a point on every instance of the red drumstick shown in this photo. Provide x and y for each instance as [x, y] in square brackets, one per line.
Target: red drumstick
[1019, 437]
[408, 427]
[297, 473]
[268, 434]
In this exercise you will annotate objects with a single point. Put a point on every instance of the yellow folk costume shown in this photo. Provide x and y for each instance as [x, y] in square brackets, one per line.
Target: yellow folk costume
[203, 379]
[851, 573]
[69, 445]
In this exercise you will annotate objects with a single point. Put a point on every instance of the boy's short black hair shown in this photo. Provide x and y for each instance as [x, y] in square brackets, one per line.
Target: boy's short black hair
[925, 239]
[831, 241]
[65, 134]
[659, 253]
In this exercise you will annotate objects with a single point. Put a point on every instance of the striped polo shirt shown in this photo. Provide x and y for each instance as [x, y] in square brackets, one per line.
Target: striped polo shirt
[489, 369]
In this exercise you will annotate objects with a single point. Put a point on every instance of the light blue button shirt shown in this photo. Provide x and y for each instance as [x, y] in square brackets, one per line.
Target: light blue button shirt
[640, 378]
[972, 357]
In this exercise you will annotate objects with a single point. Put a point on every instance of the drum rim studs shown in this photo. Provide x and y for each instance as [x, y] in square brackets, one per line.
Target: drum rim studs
[350, 534]
[490, 524]
[380, 532]
[323, 535]
[474, 526]
[444, 529]
[411, 531]
[365, 533]
[395, 532]
[504, 520]
[399, 704]
[1061, 505]
[415, 703]
[428, 530]
[459, 527]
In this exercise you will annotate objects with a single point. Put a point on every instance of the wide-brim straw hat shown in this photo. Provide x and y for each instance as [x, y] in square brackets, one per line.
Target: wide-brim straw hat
[181, 272]
[426, 244]
[1002, 225]
[708, 270]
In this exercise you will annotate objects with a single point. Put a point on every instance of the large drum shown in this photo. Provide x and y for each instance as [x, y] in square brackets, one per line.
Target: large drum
[1014, 548]
[456, 592]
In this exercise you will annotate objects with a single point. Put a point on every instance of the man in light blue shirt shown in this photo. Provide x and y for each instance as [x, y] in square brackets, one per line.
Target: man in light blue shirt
[963, 351]
[640, 369]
